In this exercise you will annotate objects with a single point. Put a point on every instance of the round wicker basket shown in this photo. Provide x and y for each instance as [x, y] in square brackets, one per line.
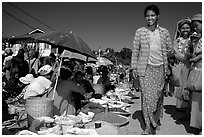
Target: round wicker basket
[38, 107]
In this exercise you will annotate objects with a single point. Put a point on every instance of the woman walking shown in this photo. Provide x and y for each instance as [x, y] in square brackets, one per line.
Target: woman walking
[149, 62]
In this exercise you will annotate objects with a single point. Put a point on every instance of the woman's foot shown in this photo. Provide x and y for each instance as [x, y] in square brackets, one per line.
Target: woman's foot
[147, 131]
[158, 125]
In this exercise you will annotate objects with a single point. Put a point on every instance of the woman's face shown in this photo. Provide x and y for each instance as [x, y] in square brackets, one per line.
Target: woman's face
[78, 78]
[151, 18]
[31, 53]
[197, 27]
[185, 30]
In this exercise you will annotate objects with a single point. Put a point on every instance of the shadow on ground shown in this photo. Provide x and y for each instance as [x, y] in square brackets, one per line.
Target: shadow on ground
[179, 118]
[138, 115]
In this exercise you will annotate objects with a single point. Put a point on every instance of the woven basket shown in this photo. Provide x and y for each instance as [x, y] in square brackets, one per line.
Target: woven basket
[38, 107]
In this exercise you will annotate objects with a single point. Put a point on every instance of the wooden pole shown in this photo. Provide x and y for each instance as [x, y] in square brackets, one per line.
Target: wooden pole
[53, 96]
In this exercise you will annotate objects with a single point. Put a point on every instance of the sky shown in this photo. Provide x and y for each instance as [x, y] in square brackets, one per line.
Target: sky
[99, 24]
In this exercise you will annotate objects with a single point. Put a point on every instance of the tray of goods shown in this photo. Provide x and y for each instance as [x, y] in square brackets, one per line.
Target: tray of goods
[68, 120]
[112, 118]
[116, 104]
[100, 101]
[131, 95]
[55, 130]
[118, 89]
[26, 132]
[119, 111]
[44, 125]
[80, 131]
[126, 100]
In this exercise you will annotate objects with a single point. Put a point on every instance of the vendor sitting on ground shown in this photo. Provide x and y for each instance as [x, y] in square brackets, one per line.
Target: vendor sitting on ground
[105, 80]
[40, 85]
[25, 81]
[87, 93]
[63, 98]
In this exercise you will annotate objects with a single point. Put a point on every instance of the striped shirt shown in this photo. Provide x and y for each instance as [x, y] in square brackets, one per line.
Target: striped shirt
[141, 48]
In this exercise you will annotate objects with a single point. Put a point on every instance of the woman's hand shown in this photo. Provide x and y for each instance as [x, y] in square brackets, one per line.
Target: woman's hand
[88, 95]
[196, 59]
[135, 73]
[188, 56]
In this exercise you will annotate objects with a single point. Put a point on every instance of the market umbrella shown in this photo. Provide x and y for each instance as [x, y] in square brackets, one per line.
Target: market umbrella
[52, 37]
[71, 40]
[103, 61]
[66, 40]
[73, 55]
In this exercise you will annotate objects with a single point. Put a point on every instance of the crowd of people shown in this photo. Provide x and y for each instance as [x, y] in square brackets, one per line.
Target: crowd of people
[36, 76]
[155, 59]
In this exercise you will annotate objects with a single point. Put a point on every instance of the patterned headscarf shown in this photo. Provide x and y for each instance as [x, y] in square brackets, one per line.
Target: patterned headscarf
[197, 17]
[178, 26]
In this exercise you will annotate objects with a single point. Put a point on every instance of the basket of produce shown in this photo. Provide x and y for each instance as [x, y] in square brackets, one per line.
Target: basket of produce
[112, 118]
[38, 107]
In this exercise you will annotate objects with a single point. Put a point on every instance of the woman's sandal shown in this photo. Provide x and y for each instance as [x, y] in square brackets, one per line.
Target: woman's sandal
[147, 132]
[158, 128]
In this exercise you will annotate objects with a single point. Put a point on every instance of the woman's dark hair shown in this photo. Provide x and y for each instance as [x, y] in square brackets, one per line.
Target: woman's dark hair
[153, 8]
[65, 73]
[52, 55]
[89, 70]
[20, 54]
[78, 73]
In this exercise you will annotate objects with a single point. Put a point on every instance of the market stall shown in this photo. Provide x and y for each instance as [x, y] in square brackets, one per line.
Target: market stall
[100, 116]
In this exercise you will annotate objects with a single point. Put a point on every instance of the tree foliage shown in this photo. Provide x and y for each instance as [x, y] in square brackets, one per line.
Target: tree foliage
[123, 57]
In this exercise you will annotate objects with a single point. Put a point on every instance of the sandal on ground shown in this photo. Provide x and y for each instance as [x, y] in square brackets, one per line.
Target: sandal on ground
[147, 132]
[158, 128]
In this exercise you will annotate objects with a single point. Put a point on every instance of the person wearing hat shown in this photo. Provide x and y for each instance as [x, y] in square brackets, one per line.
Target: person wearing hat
[196, 62]
[14, 69]
[181, 43]
[8, 55]
[40, 85]
[33, 61]
[29, 78]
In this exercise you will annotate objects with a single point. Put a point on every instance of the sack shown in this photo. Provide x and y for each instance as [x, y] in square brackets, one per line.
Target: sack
[194, 81]
[176, 75]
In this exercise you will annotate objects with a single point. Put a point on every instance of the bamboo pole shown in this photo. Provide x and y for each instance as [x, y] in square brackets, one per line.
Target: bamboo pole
[53, 96]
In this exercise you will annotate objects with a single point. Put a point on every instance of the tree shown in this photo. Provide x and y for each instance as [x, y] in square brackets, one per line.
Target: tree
[110, 54]
[125, 56]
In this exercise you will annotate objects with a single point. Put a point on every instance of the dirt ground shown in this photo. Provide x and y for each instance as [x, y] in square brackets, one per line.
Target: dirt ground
[172, 122]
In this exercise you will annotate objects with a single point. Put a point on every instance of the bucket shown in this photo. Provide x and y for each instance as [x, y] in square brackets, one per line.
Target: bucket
[38, 107]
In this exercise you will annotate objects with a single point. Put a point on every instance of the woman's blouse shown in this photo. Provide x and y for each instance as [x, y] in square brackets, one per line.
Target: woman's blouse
[198, 47]
[181, 46]
[155, 56]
